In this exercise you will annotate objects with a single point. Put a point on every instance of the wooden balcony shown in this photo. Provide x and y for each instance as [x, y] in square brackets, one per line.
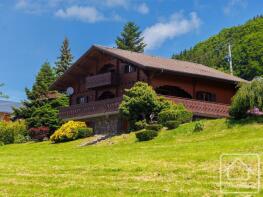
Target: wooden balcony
[111, 106]
[99, 80]
[92, 109]
[203, 108]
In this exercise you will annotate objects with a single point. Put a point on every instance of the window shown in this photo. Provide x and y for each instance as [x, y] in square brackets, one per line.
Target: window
[106, 95]
[81, 100]
[205, 96]
[87, 99]
[129, 68]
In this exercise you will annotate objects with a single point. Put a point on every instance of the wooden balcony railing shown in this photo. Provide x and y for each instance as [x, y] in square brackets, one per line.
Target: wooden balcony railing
[98, 108]
[203, 108]
[99, 80]
[90, 109]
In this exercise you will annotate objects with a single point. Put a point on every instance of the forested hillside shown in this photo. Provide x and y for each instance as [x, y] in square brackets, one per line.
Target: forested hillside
[247, 49]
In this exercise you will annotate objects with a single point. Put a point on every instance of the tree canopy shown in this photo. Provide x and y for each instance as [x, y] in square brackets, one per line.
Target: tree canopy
[247, 50]
[65, 59]
[248, 97]
[38, 110]
[131, 38]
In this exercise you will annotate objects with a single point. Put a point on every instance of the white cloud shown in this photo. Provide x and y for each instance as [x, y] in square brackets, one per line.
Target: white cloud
[143, 8]
[86, 14]
[234, 5]
[115, 3]
[157, 34]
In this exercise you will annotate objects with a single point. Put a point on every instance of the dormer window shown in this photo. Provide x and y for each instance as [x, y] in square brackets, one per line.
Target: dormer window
[129, 68]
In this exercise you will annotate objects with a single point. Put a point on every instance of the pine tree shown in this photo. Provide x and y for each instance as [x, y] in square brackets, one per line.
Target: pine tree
[64, 60]
[38, 110]
[44, 79]
[131, 38]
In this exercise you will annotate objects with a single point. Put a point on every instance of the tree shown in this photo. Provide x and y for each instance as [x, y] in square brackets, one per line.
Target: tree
[131, 38]
[247, 50]
[142, 103]
[2, 95]
[43, 80]
[38, 110]
[64, 60]
[248, 97]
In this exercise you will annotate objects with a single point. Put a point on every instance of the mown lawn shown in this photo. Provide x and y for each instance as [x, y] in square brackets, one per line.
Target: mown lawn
[176, 163]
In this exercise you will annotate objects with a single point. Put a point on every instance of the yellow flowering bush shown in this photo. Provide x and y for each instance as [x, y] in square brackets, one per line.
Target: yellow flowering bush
[71, 130]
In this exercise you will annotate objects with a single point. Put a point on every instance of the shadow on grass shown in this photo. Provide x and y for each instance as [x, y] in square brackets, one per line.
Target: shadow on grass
[231, 122]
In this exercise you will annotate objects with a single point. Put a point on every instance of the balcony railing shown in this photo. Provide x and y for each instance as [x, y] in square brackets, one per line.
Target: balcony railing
[203, 108]
[109, 106]
[100, 80]
[90, 109]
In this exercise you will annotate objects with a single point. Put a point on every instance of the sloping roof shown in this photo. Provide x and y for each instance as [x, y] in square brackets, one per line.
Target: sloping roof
[7, 106]
[170, 64]
[153, 62]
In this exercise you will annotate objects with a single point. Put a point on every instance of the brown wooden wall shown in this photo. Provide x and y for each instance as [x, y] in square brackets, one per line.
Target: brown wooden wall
[223, 91]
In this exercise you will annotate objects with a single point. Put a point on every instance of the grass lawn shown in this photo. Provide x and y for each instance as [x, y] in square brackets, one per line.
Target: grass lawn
[176, 163]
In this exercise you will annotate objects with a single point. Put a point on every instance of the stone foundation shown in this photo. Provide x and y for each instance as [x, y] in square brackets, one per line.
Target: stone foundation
[106, 124]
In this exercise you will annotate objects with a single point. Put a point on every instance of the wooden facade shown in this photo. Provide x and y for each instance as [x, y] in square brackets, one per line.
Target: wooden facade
[100, 77]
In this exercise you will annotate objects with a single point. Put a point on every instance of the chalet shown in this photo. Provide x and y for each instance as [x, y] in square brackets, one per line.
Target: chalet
[6, 108]
[97, 80]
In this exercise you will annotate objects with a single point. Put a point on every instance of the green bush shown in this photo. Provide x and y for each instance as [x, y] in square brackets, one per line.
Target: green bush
[155, 127]
[249, 96]
[85, 132]
[11, 131]
[181, 115]
[199, 126]
[18, 139]
[141, 124]
[71, 130]
[172, 124]
[184, 116]
[146, 135]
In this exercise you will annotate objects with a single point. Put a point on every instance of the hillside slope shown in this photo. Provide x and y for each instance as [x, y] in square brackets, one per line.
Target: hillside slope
[247, 49]
[176, 163]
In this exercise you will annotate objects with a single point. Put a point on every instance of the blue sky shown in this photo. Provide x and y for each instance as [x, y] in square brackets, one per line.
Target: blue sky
[32, 30]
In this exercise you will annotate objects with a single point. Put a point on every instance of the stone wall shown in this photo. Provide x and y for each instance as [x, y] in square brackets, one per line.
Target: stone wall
[106, 124]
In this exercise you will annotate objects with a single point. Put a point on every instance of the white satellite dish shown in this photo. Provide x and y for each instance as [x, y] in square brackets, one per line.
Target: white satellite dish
[70, 91]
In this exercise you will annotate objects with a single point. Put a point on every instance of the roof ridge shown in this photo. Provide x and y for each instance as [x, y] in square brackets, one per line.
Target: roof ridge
[204, 67]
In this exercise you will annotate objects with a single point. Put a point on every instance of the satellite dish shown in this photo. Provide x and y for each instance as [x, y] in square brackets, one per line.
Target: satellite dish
[70, 91]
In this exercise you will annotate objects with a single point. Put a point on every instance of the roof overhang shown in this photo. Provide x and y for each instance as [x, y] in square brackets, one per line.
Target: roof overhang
[70, 75]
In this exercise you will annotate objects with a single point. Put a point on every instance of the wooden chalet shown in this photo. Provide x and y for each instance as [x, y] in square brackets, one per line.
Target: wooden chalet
[97, 81]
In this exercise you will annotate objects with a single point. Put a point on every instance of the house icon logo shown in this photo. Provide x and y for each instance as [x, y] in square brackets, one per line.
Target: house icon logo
[245, 171]
[239, 173]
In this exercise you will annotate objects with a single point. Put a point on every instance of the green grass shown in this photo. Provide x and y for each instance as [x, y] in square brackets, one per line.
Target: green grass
[176, 163]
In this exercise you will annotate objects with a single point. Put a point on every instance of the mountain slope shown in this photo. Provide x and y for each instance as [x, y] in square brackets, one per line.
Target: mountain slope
[247, 49]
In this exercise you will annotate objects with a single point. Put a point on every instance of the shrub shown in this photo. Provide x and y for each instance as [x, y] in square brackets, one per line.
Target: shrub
[199, 126]
[71, 130]
[172, 124]
[39, 133]
[155, 127]
[249, 96]
[141, 124]
[181, 114]
[184, 116]
[18, 139]
[85, 132]
[11, 131]
[146, 135]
